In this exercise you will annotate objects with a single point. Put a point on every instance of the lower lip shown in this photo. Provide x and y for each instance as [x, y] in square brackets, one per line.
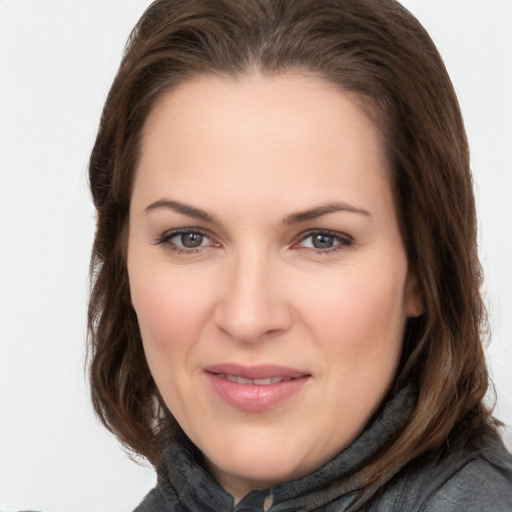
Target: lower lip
[253, 397]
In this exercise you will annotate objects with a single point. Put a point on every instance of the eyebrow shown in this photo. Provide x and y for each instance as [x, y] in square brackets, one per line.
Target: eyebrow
[185, 209]
[297, 218]
[294, 218]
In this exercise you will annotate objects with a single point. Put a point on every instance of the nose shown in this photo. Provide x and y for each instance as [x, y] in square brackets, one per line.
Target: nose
[252, 305]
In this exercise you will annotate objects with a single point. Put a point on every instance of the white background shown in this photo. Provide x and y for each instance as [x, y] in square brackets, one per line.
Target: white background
[57, 59]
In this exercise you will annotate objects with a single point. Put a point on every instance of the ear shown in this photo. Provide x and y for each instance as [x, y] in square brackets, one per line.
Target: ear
[413, 296]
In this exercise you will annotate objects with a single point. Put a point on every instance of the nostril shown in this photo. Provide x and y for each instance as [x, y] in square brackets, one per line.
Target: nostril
[252, 307]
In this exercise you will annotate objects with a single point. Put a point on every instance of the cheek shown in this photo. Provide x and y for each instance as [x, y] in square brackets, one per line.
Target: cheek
[171, 309]
[360, 313]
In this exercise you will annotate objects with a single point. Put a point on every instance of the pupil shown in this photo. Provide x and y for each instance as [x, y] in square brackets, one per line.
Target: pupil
[322, 241]
[191, 240]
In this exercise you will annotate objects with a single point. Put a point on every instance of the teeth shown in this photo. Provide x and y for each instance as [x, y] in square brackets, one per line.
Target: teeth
[265, 382]
[271, 380]
[241, 380]
[258, 382]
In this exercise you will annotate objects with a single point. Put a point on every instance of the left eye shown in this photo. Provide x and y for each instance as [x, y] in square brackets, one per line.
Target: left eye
[324, 241]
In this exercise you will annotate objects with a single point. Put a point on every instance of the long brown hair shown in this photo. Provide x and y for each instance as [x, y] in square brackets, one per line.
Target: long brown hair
[377, 51]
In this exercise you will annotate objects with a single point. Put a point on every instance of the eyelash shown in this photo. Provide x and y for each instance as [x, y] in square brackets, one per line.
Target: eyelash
[343, 241]
[166, 238]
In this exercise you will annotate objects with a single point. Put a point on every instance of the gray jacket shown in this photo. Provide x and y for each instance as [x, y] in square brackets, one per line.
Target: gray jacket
[461, 481]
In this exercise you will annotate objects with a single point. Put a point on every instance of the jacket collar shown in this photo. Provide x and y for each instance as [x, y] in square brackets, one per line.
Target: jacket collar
[183, 479]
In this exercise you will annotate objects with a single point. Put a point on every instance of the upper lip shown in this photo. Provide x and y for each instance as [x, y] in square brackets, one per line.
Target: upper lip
[261, 371]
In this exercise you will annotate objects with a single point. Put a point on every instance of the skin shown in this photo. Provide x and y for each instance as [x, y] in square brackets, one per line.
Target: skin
[253, 152]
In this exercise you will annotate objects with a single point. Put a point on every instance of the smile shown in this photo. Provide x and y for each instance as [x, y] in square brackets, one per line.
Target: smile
[257, 382]
[256, 388]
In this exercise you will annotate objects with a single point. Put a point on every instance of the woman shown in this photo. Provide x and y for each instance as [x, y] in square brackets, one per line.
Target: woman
[286, 311]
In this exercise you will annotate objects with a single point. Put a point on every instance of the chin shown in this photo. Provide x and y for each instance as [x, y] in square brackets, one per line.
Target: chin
[263, 464]
[256, 473]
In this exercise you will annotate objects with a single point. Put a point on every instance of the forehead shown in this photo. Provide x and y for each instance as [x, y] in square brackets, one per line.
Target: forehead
[245, 93]
[291, 130]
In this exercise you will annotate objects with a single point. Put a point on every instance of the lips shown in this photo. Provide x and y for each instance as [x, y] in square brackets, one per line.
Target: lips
[257, 382]
[255, 388]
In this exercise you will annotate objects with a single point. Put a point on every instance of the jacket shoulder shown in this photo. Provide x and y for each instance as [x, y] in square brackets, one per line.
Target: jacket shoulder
[478, 485]
[154, 501]
[460, 482]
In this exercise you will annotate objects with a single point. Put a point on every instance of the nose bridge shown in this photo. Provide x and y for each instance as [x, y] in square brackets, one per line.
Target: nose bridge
[252, 304]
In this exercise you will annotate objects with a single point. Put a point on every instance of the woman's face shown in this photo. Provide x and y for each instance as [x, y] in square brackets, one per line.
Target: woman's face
[267, 272]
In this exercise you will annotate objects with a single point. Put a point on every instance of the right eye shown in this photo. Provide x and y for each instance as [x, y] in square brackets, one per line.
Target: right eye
[186, 240]
[189, 240]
